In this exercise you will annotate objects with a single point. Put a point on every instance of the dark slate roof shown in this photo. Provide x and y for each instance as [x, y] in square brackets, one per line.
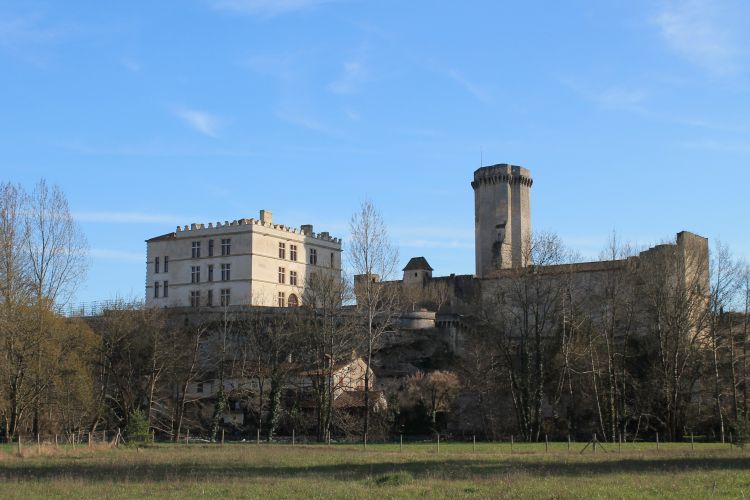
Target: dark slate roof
[417, 263]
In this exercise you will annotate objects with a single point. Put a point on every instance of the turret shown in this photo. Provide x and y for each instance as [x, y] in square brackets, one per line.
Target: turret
[502, 217]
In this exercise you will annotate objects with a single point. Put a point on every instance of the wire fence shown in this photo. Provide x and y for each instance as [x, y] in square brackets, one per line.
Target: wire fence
[114, 438]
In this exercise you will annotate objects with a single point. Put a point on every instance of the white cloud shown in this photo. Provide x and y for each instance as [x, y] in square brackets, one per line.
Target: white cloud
[131, 218]
[265, 8]
[699, 31]
[352, 77]
[201, 121]
[619, 97]
[131, 64]
[472, 88]
[118, 255]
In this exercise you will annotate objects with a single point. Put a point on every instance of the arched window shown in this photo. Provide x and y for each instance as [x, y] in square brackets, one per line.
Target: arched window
[292, 302]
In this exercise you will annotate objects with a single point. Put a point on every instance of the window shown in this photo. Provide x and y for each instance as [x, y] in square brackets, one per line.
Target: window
[292, 280]
[282, 250]
[225, 297]
[210, 298]
[166, 264]
[226, 272]
[195, 298]
[199, 388]
[156, 265]
[293, 252]
[210, 248]
[165, 292]
[156, 289]
[282, 275]
[196, 250]
[226, 246]
[332, 259]
[195, 274]
[313, 256]
[210, 272]
[282, 300]
[293, 301]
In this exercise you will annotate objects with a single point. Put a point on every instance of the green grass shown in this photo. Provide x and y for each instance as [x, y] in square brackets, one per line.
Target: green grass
[382, 471]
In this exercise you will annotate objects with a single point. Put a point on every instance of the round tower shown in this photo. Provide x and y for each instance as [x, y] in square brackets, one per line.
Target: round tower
[502, 217]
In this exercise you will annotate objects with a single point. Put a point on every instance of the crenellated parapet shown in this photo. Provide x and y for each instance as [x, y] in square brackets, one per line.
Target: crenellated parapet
[199, 229]
[502, 173]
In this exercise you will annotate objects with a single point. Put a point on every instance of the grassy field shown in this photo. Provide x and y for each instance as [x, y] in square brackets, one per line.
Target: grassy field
[382, 471]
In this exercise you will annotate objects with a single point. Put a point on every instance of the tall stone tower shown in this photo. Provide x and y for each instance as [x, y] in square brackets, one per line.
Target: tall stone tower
[502, 217]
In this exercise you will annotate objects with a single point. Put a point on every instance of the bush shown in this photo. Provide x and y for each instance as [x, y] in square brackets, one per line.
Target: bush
[137, 430]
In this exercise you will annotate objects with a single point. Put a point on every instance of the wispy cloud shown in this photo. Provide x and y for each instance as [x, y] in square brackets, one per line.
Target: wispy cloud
[614, 97]
[201, 121]
[26, 30]
[265, 8]
[131, 64]
[700, 31]
[131, 218]
[352, 77]
[479, 93]
[117, 255]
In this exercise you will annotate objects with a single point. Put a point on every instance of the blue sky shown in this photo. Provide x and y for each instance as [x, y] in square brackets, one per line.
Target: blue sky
[632, 116]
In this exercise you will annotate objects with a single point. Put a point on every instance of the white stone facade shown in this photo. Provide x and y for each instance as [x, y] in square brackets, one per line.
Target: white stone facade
[242, 262]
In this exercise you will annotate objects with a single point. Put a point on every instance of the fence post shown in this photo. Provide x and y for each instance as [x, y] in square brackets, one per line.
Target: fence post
[474, 443]
[511, 444]
[546, 444]
[19, 443]
[438, 442]
[401, 442]
[293, 437]
[187, 436]
[657, 441]
[38, 443]
[594, 442]
[619, 444]
[55, 440]
[568, 441]
[731, 441]
[692, 441]
[329, 439]
[222, 437]
[257, 437]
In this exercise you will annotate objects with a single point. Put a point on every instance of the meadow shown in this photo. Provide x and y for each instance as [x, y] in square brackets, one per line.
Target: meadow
[457, 470]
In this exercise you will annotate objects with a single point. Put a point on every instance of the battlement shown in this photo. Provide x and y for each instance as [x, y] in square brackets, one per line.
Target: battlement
[198, 229]
[502, 173]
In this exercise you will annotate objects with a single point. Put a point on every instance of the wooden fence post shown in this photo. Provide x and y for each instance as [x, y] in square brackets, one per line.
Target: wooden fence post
[401, 442]
[511, 444]
[657, 441]
[546, 444]
[692, 442]
[474, 443]
[293, 437]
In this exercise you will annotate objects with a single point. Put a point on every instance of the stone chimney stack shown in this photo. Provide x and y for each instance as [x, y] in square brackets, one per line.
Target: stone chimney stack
[266, 216]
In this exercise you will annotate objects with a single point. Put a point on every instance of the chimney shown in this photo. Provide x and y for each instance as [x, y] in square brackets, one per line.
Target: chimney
[307, 229]
[266, 216]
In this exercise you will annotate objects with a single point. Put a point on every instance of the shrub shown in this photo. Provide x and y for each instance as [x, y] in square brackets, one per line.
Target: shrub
[137, 430]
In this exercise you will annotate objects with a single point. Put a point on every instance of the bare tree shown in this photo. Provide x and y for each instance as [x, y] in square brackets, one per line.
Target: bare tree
[328, 337]
[373, 258]
[522, 312]
[725, 276]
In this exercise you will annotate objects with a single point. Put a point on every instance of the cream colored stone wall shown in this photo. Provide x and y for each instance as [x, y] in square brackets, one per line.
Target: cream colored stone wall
[254, 260]
[502, 217]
